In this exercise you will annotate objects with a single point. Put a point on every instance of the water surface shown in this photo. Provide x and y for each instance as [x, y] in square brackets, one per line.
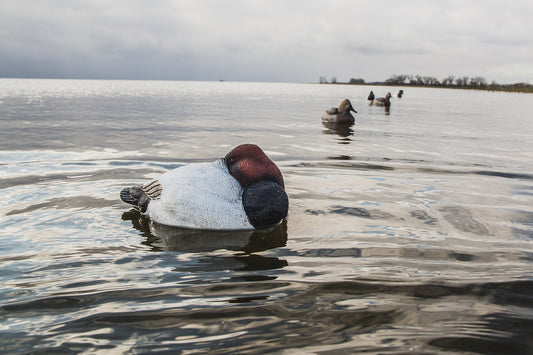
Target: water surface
[411, 231]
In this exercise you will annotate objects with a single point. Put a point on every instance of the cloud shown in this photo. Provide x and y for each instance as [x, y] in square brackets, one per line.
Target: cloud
[289, 40]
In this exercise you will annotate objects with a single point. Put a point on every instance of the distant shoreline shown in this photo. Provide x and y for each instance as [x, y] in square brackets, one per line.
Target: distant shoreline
[450, 82]
[519, 87]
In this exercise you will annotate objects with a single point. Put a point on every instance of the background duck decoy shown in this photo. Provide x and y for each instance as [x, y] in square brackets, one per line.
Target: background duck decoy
[340, 114]
[382, 101]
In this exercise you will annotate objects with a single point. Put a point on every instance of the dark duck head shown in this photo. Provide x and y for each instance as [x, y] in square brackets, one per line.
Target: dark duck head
[264, 198]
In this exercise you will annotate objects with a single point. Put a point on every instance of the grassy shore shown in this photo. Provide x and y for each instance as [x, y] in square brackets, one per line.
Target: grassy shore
[450, 82]
[519, 87]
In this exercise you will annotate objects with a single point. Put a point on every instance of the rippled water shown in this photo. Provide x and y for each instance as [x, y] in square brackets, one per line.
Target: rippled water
[411, 231]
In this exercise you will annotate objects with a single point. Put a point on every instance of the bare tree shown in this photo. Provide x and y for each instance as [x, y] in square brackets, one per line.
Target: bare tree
[419, 80]
[448, 80]
[429, 80]
[397, 79]
[462, 81]
[478, 81]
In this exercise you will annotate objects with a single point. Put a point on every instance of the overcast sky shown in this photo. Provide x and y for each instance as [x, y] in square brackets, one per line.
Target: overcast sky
[271, 40]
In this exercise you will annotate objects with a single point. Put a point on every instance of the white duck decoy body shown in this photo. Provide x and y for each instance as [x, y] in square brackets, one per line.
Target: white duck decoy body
[244, 190]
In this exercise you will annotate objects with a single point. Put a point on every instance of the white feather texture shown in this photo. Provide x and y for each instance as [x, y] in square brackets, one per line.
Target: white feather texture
[200, 196]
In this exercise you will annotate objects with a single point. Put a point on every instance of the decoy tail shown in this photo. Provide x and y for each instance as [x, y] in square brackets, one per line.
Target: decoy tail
[135, 196]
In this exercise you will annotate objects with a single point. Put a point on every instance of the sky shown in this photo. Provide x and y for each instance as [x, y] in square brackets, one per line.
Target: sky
[270, 40]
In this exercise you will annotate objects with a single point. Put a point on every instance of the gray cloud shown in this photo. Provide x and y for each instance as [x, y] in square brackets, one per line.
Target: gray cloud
[272, 40]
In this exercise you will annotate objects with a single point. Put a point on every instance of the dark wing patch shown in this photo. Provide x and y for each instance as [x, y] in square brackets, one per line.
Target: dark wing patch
[153, 189]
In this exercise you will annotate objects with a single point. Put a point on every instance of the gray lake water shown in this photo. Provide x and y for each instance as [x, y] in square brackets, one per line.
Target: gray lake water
[409, 232]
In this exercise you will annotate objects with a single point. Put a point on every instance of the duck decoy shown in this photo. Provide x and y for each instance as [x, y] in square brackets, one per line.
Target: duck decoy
[340, 114]
[382, 101]
[243, 190]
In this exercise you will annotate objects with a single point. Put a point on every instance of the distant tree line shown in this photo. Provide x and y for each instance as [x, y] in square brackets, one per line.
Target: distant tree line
[324, 80]
[463, 82]
[450, 80]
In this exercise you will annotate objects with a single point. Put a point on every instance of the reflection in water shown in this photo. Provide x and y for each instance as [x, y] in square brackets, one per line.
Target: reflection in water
[342, 130]
[162, 237]
[387, 108]
[340, 157]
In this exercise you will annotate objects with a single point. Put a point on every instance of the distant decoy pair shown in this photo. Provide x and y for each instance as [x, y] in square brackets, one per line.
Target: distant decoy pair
[380, 101]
